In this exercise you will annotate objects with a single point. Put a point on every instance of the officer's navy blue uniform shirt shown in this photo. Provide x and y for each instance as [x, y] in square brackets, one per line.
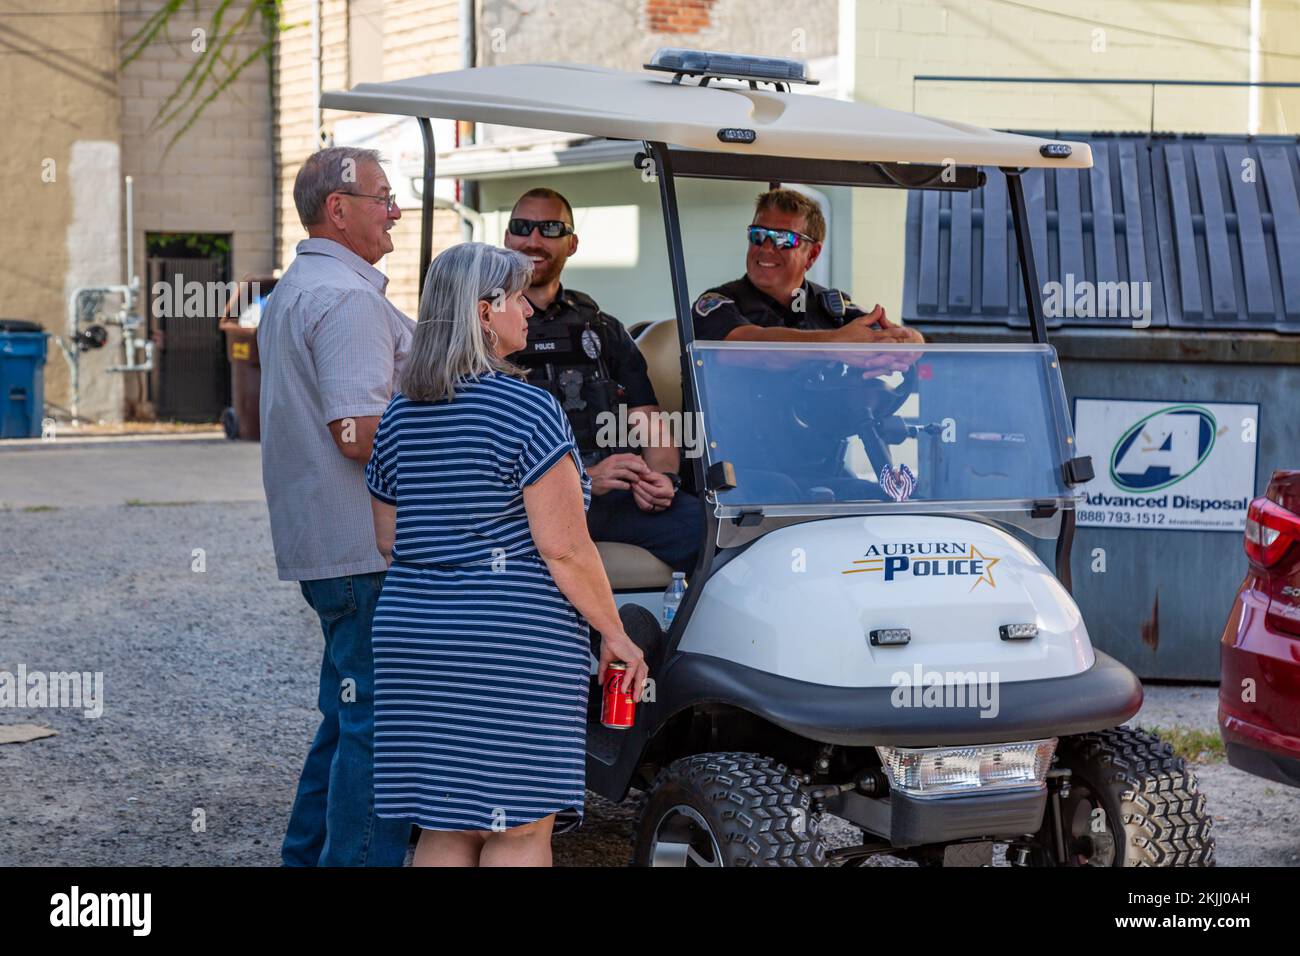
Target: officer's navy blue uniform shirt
[727, 307]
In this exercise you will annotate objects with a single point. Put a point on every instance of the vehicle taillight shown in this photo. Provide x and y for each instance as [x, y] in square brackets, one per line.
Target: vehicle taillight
[1270, 531]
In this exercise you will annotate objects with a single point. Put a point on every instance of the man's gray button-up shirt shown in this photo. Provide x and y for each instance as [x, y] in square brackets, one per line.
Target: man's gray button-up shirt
[331, 347]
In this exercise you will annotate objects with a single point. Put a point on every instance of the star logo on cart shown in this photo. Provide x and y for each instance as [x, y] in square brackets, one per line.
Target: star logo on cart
[927, 559]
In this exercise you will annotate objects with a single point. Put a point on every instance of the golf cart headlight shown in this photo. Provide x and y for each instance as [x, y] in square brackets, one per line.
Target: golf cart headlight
[938, 771]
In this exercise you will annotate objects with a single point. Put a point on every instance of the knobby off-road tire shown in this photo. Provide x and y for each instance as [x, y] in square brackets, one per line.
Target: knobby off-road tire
[727, 809]
[1155, 814]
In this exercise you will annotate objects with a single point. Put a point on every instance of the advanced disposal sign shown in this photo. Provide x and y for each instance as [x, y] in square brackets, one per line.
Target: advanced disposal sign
[1170, 465]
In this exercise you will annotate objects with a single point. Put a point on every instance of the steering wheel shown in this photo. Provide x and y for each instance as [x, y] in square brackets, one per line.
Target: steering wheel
[878, 401]
[882, 400]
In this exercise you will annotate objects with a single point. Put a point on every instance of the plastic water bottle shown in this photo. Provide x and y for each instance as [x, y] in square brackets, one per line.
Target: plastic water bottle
[673, 598]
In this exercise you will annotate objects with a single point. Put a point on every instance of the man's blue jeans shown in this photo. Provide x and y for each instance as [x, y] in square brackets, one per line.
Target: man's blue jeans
[333, 822]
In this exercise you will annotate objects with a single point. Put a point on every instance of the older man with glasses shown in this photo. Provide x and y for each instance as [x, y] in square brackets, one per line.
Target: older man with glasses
[331, 348]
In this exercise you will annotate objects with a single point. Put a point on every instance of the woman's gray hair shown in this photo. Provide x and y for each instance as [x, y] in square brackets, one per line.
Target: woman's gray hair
[327, 171]
[450, 346]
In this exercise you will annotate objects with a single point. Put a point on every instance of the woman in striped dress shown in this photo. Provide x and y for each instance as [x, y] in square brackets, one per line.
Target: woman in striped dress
[480, 635]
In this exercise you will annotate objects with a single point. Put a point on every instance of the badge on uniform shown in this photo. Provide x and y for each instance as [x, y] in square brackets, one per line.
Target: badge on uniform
[708, 302]
[591, 343]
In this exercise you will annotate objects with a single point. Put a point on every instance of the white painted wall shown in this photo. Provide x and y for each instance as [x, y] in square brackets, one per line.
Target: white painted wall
[94, 257]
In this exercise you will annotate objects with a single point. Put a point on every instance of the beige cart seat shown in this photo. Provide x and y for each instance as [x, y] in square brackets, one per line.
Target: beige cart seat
[631, 568]
[663, 356]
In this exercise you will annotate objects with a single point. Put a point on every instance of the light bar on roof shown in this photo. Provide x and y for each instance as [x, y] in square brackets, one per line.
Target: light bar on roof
[770, 69]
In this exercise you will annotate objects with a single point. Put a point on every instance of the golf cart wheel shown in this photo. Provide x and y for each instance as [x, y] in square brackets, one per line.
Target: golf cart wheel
[1152, 813]
[727, 809]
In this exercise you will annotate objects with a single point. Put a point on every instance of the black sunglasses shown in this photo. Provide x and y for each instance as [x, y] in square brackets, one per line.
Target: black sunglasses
[549, 228]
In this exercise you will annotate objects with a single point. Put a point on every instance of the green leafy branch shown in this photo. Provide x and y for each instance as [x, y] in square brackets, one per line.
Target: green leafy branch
[203, 244]
[217, 65]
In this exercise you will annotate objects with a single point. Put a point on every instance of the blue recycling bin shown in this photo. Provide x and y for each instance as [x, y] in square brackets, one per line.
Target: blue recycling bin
[22, 378]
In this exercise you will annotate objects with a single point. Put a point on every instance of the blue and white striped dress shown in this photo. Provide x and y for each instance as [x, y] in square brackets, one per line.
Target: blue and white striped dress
[481, 664]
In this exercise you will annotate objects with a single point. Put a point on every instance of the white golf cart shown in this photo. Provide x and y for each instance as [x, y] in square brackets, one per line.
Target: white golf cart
[868, 633]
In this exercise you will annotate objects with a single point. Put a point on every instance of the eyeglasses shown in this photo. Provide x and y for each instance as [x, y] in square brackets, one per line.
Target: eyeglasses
[781, 238]
[549, 228]
[388, 199]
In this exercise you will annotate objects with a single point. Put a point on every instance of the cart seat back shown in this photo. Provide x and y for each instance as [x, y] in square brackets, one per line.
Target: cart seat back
[663, 356]
[631, 568]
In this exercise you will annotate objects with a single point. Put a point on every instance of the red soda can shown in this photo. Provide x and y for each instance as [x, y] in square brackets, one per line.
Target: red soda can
[618, 710]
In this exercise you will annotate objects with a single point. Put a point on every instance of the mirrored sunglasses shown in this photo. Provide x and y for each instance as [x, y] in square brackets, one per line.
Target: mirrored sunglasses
[781, 238]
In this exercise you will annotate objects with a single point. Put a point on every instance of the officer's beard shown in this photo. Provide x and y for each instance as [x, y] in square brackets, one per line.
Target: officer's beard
[547, 271]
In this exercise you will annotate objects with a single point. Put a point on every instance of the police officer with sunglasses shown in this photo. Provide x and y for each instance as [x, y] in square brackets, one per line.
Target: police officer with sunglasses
[588, 361]
[774, 301]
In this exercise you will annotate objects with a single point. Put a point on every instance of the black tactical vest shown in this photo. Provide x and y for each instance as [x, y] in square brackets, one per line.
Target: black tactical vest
[568, 352]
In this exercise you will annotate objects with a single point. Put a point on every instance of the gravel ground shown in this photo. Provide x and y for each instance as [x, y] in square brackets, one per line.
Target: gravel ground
[209, 677]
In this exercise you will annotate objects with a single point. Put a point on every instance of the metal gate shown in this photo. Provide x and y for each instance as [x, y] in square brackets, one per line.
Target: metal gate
[193, 377]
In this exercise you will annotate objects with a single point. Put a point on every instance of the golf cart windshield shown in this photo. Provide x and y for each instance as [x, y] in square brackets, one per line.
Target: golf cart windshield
[809, 429]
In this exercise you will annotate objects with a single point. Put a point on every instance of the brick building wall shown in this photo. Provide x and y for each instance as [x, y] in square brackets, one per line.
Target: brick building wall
[419, 36]
[217, 176]
[68, 101]
[678, 16]
[62, 159]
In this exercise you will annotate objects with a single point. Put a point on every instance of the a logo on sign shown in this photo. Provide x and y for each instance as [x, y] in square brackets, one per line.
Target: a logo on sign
[927, 559]
[1163, 448]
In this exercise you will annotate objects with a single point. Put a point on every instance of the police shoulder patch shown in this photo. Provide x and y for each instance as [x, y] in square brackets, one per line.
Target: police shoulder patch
[708, 302]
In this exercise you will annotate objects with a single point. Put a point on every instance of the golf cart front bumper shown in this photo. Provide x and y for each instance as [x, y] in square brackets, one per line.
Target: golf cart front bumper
[906, 820]
[1104, 696]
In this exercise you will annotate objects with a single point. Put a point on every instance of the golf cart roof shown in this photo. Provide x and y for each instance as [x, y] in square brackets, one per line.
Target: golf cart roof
[649, 106]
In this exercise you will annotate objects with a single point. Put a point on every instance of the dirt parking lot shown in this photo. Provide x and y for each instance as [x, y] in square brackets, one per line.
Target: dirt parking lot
[209, 675]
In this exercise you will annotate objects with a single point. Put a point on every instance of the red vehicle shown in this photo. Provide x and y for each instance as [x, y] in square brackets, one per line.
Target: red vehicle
[1259, 692]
